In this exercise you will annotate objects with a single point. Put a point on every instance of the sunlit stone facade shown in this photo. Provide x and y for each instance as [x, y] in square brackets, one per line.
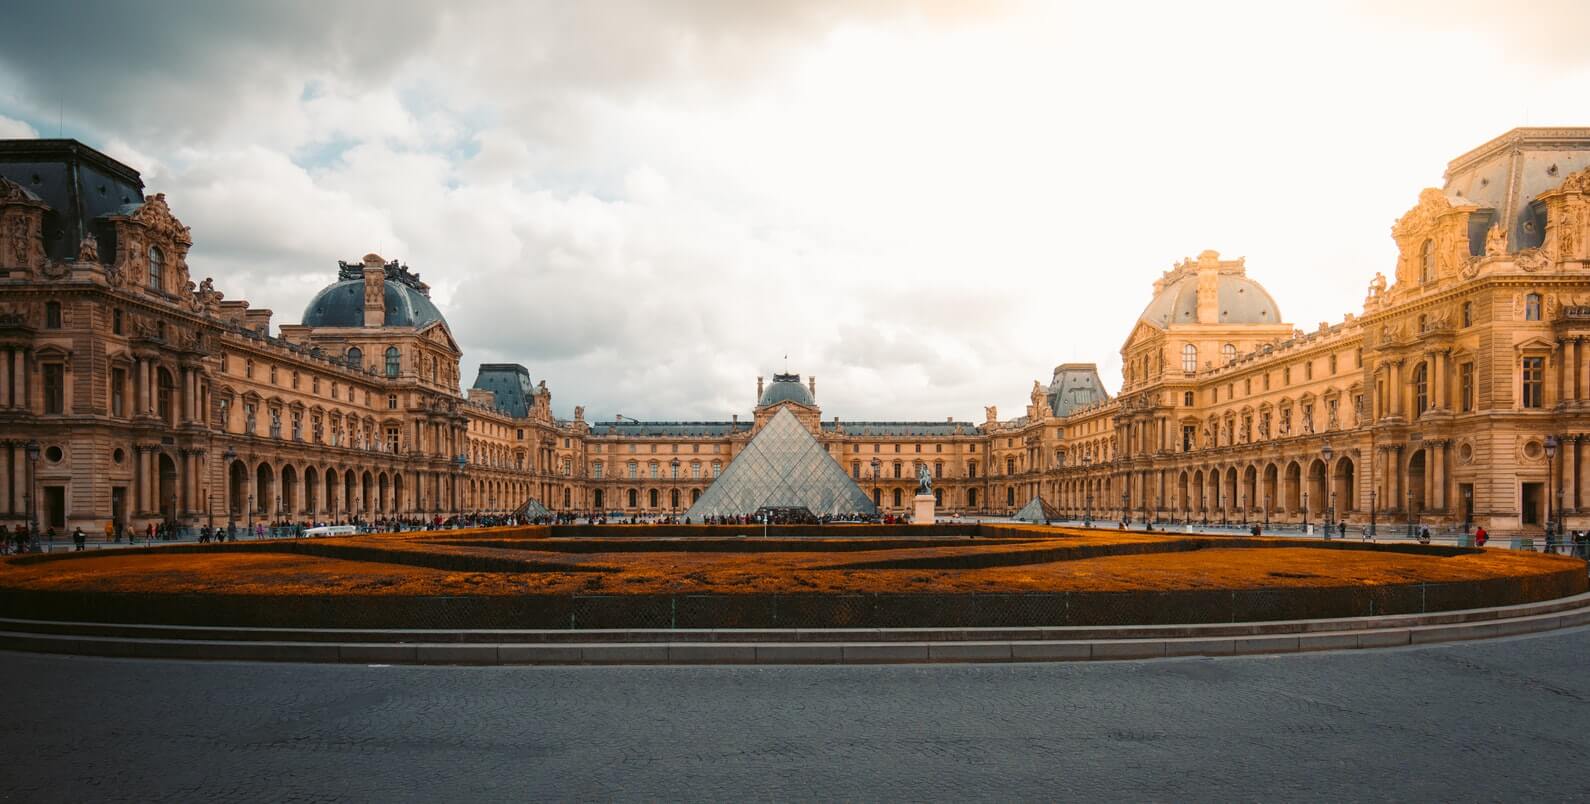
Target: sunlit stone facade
[150, 396]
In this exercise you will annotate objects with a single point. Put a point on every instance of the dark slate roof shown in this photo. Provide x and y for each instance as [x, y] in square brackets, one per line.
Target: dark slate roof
[79, 184]
[342, 305]
[1075, 385]
[510, 385]
[786, 388]
[902, 428]
[1507, 173]
[629, 429]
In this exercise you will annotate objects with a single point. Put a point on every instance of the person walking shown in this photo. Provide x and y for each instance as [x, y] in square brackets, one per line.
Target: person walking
[1424, 535]
[1481, 537]
[79, 538]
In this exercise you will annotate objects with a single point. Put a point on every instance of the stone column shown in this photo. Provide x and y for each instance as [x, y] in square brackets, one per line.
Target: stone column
[146, 491]
[1440, 379]
[1394, 388]
[1570, 473]
[5, 476]
[5, 378]
[1438, 475]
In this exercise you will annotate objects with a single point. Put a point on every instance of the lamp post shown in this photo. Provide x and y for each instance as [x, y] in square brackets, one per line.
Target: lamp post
[230, 455]
[1126, 506]
[674, 492]
[1305, 510]
[1551, 460]
[1372, 496]
[1087, 505]
[1409, 503]
[1330, 508]
[1266, 510]
[877, 493]
[31, 495]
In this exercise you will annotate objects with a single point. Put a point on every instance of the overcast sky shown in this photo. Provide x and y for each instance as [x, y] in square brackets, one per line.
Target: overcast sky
[926, 205]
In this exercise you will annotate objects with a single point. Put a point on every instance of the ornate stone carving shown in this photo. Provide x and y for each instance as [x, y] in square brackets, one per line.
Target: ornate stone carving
[1495, 241]
[1531, 259]
[88, 249]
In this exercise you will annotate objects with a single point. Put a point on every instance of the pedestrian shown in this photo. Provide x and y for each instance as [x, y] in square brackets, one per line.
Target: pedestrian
[110, 530]
[1481, 537]
[1424, 535]
[79, 538]
[1254, 531]
[1344, 528]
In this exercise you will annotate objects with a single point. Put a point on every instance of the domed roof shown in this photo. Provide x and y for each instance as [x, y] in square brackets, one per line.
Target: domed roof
[786, 388]
[1241, 301]
[406, 300]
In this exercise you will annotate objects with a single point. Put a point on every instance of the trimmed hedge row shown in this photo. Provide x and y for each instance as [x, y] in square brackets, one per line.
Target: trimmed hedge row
[790, 610]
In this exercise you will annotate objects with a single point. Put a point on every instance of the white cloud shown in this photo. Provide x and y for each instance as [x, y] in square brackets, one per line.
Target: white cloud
[15, 129]
[650, 205]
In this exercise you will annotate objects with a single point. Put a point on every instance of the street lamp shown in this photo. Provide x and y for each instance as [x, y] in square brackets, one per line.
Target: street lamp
[674, 492]
[230, 455]
[1551, 459]
[1267, 507]
[1372, 496]
[1126, 506]
[1330, 510]
[1305, 510]
[33, 481]
[877, 493]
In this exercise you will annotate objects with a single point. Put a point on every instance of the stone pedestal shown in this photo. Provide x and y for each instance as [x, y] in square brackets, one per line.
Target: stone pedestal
[922, 510]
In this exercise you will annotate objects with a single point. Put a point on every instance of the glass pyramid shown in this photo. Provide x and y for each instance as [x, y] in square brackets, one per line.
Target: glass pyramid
[1037, 512]
[533, 509]
[782, 467]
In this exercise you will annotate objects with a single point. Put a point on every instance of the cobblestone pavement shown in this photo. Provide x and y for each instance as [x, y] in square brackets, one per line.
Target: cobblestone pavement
[1499, 720]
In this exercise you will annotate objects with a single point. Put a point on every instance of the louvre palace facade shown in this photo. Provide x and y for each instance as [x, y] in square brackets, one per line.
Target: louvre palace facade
[1459, 393]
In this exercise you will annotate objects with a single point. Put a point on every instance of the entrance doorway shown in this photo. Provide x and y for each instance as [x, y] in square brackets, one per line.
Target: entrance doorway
[1533, 502]
[118, 506]
[168, 488]
[55, 507]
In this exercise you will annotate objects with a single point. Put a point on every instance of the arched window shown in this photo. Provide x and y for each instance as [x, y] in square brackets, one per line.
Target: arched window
[1228, 352]
[1532, 307]
[1010, 495]
[897, 498]
[652, 496]
[1010, 466]
[1427, 262]
[355, 359]
[632, 498]
[157, 270]
[1189, 358]
[1421, 388]
[392, 361]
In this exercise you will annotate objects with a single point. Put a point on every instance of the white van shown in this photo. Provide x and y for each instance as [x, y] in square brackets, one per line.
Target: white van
[332, 530]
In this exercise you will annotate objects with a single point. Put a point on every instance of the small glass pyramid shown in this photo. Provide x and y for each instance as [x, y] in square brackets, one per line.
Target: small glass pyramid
[782, 467]
[1037, 512]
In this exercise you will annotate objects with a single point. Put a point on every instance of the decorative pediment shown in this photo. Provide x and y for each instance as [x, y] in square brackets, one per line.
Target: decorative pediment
[1422, 218]
[1533, 344]
[437, 332]
[155, 215]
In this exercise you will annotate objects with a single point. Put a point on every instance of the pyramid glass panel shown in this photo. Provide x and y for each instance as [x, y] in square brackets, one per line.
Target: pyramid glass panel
[1037, 511]
[783, 467]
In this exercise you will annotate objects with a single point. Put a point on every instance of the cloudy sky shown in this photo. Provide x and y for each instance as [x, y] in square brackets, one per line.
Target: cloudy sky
[926, 205]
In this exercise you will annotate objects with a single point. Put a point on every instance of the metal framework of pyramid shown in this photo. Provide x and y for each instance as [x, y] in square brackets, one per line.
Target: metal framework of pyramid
[782, 467]
[533, 509]
[1037, 512]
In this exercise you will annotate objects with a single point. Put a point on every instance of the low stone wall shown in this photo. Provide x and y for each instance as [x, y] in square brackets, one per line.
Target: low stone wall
[791, 610]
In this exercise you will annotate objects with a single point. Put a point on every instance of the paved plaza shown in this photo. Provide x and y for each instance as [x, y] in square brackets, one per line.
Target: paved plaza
[1497, 720]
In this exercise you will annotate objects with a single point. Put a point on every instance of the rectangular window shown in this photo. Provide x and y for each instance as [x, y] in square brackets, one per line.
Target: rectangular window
[392, 439]
[116, 329]
[1466, 387]
[1286, 375]
[1534, 382]
[1187, 399]
[118, 392]
[273, 375]
[1189, 432]
[596, 470]
[54, 388]
[391, 401]
[1308, 370]
[314, 385]
[52, 315]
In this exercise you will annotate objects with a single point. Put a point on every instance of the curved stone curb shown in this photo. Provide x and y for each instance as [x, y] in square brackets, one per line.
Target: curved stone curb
[858, 646]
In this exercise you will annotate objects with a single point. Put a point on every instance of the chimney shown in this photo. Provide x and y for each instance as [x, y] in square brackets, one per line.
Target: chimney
[374, 291]
[1209, 287]
[759, 390]
[811, 384]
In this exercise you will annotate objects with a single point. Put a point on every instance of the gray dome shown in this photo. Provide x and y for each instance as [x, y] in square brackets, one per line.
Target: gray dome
[1242, 301]
[342, 305]
[786, 388]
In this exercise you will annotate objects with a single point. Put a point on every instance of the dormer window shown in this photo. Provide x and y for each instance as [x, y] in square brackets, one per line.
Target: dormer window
[355, 359]
[1228, 352]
